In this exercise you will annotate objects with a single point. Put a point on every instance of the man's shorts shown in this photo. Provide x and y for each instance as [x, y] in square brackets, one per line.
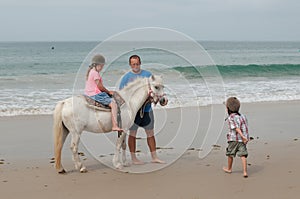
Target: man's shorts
[147, 122]
[236, 148]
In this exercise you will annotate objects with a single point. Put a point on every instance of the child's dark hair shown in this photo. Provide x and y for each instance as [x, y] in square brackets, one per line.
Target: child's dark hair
[233, 105]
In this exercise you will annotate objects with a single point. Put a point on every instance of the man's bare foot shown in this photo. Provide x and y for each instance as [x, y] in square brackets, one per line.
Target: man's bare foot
[156, 160]
[226, 170]
[137, 162]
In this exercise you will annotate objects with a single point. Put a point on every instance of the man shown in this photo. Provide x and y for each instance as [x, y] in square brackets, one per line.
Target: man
[147, 121]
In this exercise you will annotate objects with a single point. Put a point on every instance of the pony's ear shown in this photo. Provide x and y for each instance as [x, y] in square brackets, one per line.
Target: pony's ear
[152, 78]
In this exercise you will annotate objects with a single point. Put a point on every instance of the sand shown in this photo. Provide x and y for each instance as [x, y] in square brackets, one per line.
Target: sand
[26, 168]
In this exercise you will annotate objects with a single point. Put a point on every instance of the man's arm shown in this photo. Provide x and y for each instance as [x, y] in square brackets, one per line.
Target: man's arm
[123, 82]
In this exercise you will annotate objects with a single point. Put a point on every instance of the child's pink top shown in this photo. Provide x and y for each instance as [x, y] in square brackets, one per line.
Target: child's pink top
[91, 87]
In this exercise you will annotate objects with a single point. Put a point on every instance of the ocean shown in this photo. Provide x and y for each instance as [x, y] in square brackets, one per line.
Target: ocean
[34, 76]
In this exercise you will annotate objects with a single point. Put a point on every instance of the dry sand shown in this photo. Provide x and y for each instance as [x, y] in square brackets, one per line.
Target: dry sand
[26, 170]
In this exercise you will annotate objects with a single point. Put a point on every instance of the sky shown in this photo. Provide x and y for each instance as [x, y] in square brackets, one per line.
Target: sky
[97, 20]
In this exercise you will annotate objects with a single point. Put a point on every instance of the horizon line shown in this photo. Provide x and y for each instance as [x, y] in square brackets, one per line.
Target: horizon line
[204, 40]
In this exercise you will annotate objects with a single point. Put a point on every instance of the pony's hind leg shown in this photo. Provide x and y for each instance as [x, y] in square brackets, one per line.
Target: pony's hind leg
[58, 148]
[60, 133]
[74, 148]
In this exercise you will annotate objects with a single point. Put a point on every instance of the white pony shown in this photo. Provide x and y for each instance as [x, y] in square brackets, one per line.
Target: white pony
[73, 115]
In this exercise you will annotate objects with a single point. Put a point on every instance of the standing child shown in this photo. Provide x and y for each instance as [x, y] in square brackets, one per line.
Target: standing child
[94, 88]
[237, 136]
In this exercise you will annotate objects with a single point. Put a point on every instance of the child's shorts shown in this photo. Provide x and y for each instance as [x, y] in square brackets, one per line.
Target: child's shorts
[236, 148]
[103, 98]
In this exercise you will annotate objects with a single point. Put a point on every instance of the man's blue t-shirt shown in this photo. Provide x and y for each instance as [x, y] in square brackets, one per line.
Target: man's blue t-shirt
[130, 76]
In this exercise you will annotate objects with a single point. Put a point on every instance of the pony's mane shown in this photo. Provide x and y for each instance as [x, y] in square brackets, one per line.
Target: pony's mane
[133, 83]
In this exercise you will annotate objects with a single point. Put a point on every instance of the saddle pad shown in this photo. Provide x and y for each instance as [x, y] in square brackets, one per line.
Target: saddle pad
[98, 108]
[94, 104]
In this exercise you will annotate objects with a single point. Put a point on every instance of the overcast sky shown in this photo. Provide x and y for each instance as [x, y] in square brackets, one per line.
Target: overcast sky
[94, 20]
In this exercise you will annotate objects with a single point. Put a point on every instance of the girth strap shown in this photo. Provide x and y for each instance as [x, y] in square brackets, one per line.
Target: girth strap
[119, 101]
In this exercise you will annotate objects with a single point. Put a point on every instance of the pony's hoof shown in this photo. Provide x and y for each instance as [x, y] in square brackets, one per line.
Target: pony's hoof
[62, 171]
[119, 166]
[83, 170]
[126, 164]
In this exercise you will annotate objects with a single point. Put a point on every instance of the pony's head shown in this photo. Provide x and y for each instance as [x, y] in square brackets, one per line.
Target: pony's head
[156, 90]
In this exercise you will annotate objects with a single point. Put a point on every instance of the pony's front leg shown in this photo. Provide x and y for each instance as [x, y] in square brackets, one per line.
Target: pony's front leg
[124, 161]
[74, 148]
[116, 159]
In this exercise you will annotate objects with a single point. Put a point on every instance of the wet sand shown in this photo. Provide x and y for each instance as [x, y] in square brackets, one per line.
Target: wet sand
[26, 164]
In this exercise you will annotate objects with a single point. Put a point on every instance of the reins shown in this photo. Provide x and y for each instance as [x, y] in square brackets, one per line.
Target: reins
[142, 110]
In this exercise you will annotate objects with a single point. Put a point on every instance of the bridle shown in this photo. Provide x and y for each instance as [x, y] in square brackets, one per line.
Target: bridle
[150, 99]
[151, 95]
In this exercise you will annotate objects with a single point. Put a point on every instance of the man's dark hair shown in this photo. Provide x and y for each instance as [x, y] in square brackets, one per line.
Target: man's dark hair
[135, 57]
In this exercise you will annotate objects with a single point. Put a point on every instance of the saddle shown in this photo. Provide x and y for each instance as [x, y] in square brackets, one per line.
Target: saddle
[91, 103]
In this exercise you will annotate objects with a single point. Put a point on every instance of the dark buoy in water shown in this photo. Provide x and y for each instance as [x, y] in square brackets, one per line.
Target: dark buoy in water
[52, 47]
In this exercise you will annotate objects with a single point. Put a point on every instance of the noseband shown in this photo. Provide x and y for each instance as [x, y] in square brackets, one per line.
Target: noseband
[150, 99]
[151, 95]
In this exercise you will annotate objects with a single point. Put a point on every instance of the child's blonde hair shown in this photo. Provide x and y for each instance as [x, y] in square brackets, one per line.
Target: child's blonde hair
[89, 69]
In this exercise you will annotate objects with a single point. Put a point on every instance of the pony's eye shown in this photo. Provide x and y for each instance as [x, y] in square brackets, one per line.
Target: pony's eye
[156, 87]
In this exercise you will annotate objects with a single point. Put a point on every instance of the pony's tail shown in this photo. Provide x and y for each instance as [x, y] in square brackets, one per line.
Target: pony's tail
[60, 133]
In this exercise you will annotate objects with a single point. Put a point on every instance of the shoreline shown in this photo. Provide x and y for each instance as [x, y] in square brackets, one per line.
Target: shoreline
[26, 151]
[296, 101]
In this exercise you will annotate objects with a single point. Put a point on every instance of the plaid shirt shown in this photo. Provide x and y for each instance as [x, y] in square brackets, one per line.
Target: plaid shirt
[237, 121]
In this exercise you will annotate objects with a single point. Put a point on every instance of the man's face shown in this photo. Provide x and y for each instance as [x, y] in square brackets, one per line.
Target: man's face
[135, 65]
